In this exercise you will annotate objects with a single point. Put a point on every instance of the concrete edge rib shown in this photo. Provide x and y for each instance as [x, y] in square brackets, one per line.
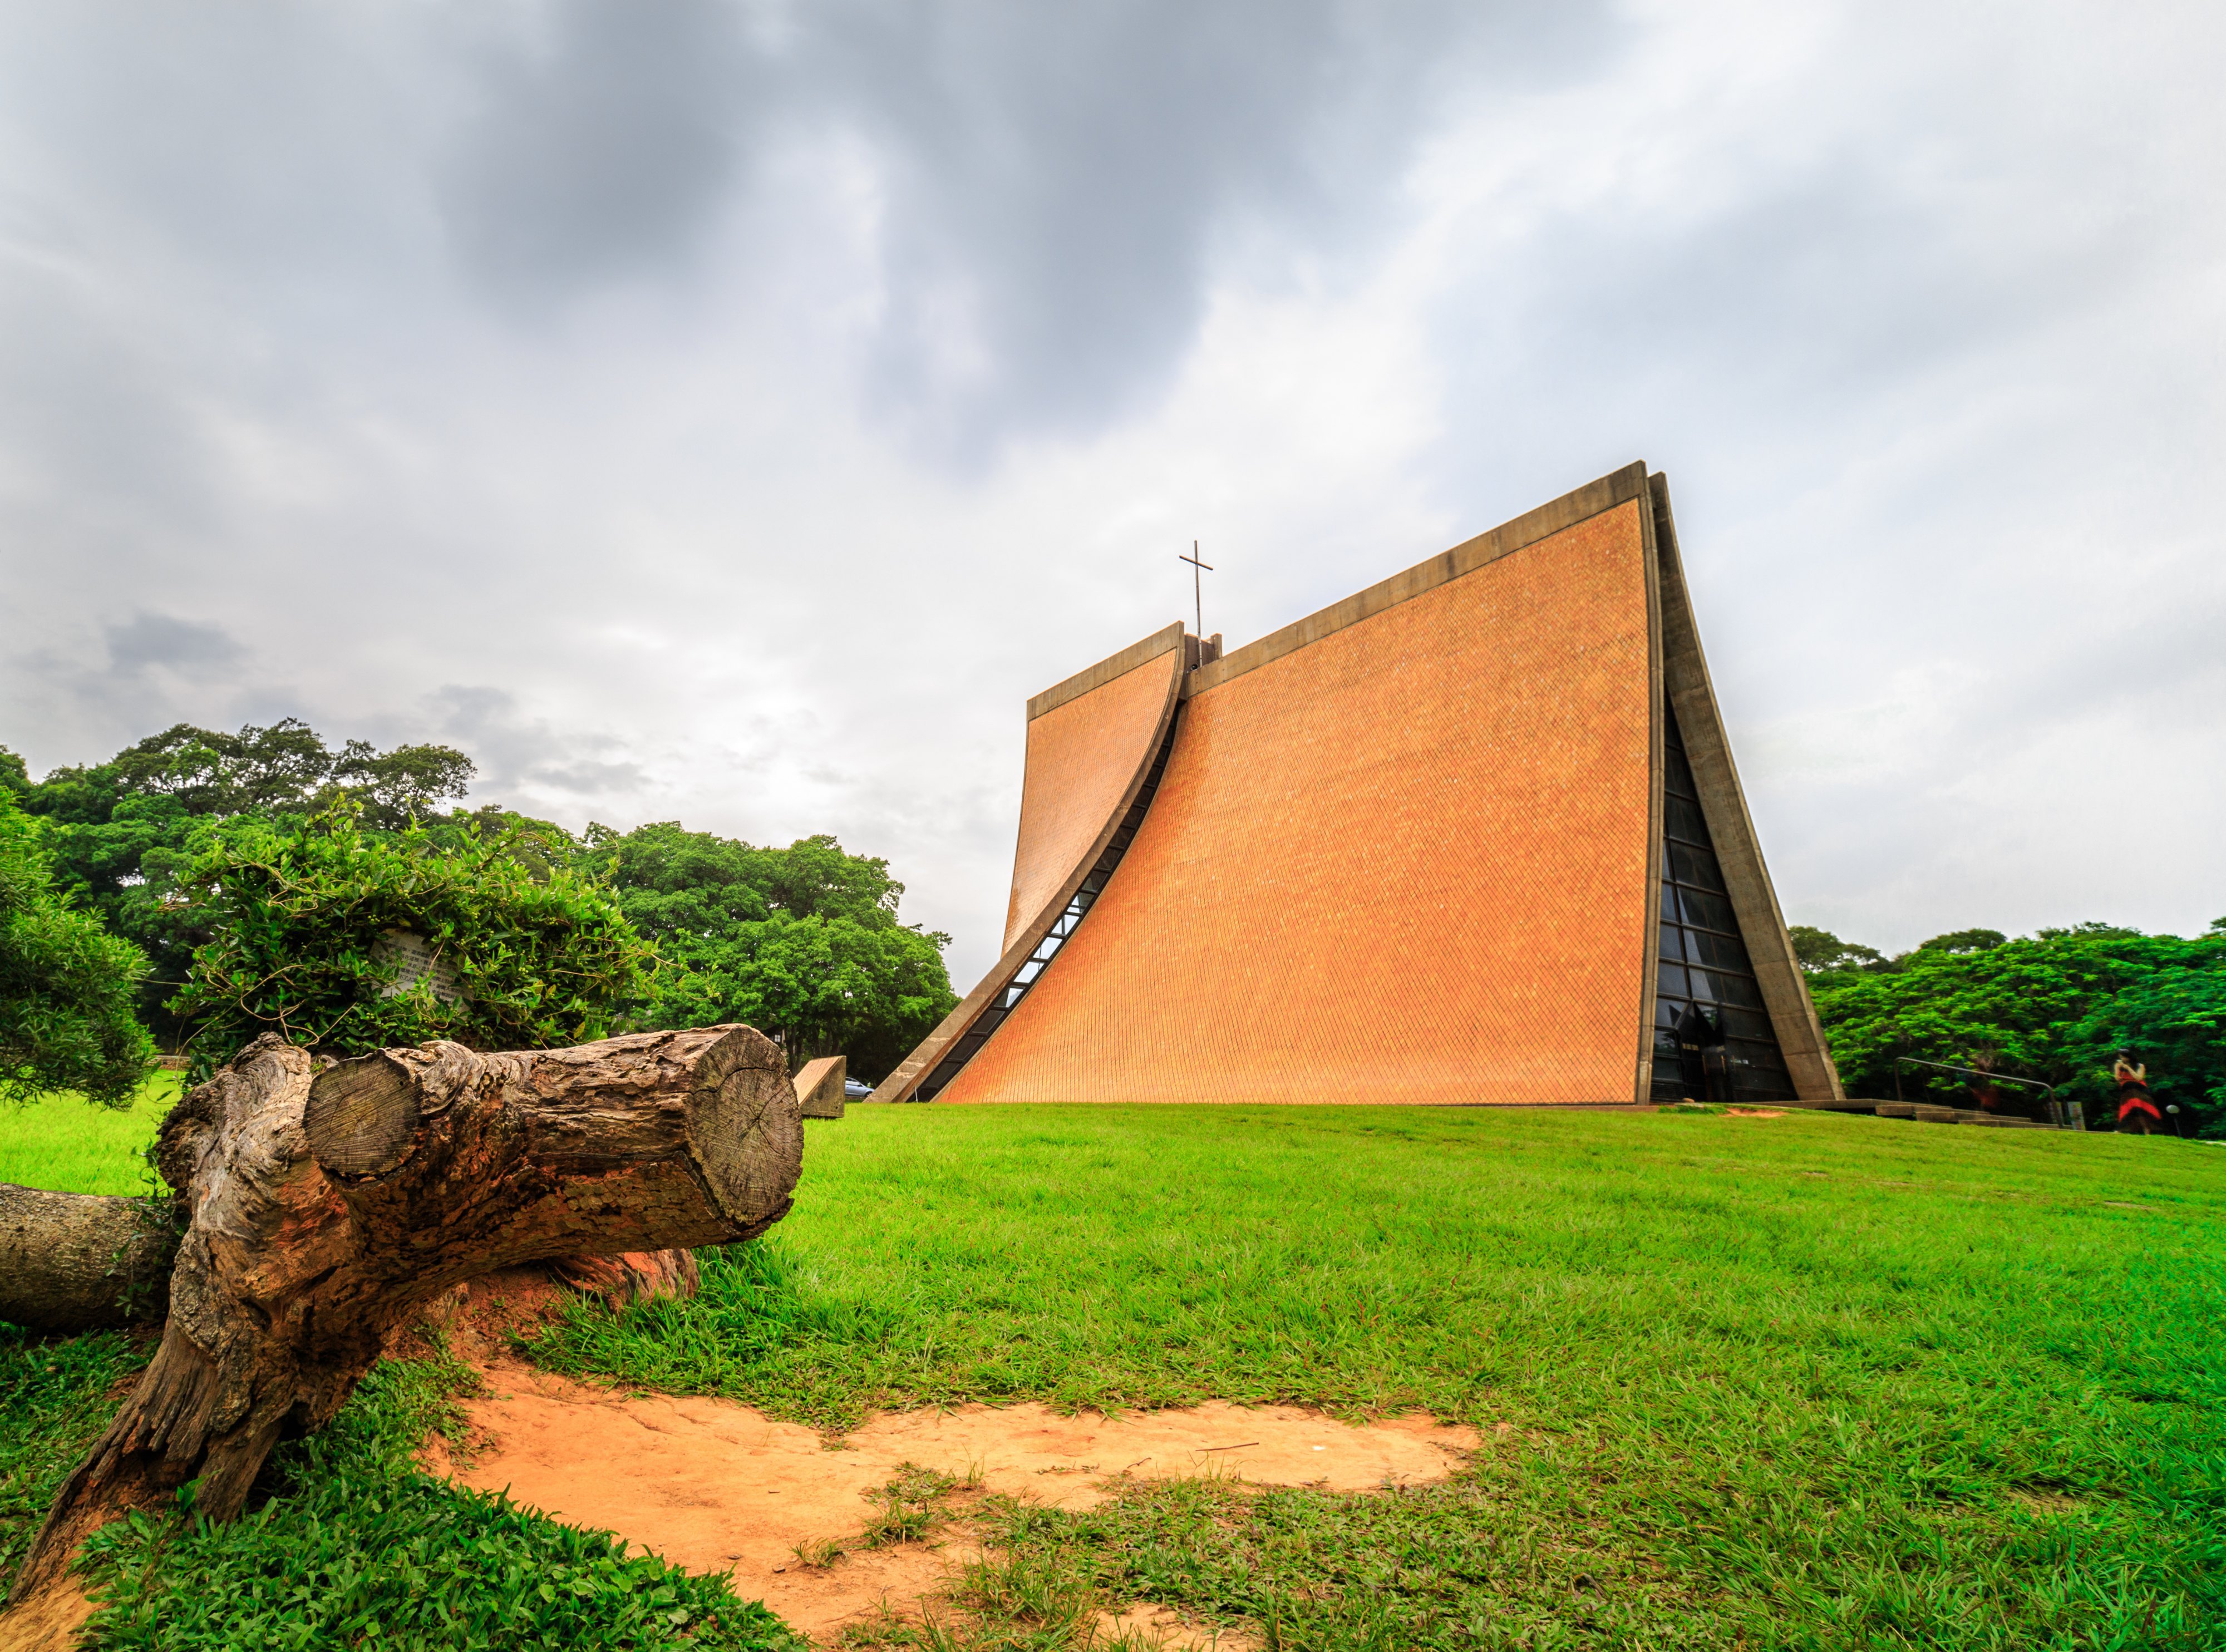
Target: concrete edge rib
[915, 1067]
[1738, 851]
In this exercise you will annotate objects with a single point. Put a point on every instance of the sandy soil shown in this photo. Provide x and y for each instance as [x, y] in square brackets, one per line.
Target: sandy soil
[713, 1485]
[49, 1625]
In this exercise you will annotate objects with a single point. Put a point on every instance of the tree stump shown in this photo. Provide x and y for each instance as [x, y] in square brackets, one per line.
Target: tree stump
[330, 1201]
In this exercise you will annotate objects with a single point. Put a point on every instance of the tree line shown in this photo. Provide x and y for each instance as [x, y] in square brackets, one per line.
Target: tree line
[2055, 1006]
[202, 888]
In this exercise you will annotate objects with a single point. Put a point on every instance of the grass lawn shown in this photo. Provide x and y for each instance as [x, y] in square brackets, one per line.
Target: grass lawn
[63, 1145]
[1803, 1381]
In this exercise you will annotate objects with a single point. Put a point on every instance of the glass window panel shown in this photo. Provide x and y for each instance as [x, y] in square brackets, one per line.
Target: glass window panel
[1723, 952]
[1707, 911]
[1712, 968]
[1736, 989]
[1682, 818]
[1761, 1051]
[1694, 867]
[1749, 1024]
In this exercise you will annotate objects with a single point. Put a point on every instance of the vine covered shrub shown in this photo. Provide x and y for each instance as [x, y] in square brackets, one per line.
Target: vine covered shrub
[303, 912]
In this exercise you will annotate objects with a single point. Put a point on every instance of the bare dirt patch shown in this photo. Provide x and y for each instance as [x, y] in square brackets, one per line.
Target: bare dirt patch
[713, 1486]
[1157, 1626]
[1756, 1112]
[49, 1622]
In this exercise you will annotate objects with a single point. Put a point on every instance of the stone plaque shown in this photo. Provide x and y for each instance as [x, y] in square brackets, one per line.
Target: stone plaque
[414, 961]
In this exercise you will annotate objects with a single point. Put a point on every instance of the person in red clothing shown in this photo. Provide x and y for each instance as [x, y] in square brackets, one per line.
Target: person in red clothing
[2138, 1114]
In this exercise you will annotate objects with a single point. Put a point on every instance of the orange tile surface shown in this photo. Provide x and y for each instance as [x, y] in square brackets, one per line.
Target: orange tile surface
[1081, 756]
[1406, 862]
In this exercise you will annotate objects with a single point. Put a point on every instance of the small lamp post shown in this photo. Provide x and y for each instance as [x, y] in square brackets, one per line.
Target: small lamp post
[2176, 1127]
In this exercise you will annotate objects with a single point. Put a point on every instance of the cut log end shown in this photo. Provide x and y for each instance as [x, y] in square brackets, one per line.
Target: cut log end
[362, 1115]
[745, 1130]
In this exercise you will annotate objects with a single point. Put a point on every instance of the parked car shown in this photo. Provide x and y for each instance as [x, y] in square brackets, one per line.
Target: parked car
[854, 1091]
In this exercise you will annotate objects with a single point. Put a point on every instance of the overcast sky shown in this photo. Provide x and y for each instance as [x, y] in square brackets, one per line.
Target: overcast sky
[731, 412]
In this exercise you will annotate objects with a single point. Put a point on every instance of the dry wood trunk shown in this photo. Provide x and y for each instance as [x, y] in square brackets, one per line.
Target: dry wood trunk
[80, 1261]
[330, 1201]
[74, 1263]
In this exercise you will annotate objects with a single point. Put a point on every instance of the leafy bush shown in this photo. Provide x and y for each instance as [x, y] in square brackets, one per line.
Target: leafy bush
[120, 832]
[2054, 1006]
[361, 1560]
[66, 986]
[300, 910]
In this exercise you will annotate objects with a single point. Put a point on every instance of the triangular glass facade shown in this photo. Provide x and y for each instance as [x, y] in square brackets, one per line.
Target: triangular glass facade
[1704, 964]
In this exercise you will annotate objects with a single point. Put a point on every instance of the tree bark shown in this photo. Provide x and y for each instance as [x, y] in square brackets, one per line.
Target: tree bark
[330, 1201]
[74, 1263]
[82, 1262]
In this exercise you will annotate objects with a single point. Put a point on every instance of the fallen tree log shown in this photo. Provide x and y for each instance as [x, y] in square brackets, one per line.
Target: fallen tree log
[74, 1263]
[330, 1201]
[81, 1262]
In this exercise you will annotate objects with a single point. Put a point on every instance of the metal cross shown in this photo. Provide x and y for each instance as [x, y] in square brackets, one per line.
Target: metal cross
[1197, 592]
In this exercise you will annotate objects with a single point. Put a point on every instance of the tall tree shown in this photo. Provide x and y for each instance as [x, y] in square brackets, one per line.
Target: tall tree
[1820, 952]
[2053, 1007]
[122, 831]
[805, 942]
[66, 986]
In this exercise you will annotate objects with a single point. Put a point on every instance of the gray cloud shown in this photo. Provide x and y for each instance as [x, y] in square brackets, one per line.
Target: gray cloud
[1053, 187]
[193, 647]
[603, 143]
[1061, 182]
[777, 394]
[524, 757]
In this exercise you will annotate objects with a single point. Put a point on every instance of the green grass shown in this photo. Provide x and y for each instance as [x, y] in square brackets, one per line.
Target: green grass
[55, 1401]
[348, 1545]
[1807, 1381]
[66, 1145]
[1811, 1380]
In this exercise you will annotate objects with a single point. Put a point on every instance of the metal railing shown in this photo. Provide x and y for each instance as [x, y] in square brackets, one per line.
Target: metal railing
[2064, 1114]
